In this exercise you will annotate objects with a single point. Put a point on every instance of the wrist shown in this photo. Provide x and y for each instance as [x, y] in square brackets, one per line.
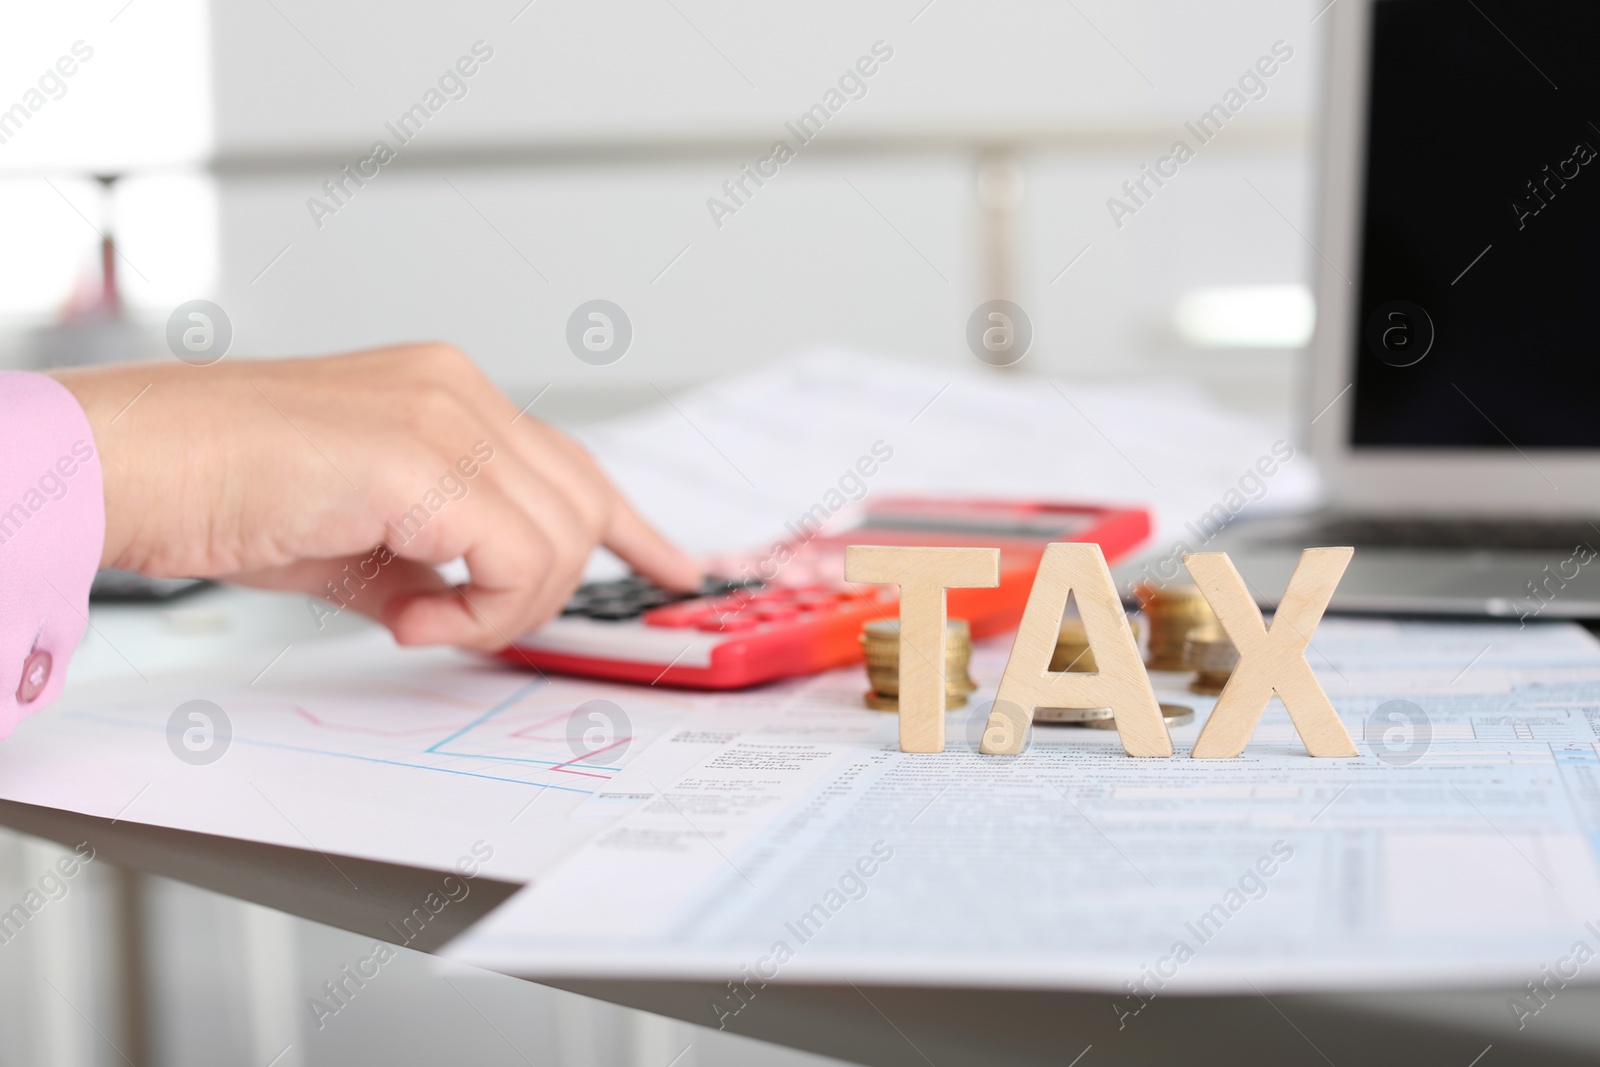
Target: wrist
[89, 388]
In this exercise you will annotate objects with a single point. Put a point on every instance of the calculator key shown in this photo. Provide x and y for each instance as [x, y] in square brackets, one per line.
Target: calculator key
[618, 585]
[723, 586]
[690, 613]
[729, 623]
[615, 613]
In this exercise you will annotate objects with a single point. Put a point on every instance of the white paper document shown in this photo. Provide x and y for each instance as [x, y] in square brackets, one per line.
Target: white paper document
[730, 462]
[356, 747]
[1460, 848]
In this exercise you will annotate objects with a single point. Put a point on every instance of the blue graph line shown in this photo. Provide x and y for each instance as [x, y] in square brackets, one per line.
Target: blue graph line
[412, 766]
[574, 762]
[415, 767]
[153, 728]
[491, 713]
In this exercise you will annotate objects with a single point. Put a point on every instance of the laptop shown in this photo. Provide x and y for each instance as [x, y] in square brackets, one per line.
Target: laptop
[1454, 384]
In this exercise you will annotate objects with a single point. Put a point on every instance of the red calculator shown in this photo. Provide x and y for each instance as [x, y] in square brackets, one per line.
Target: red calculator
[787, 610]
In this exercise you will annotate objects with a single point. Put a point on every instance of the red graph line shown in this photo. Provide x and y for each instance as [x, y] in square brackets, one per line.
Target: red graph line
[563, 768]
[524, 732]
[568, 767]
[325, 725]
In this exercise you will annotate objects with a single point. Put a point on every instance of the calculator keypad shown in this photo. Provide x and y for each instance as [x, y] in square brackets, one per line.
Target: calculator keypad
[621, 599]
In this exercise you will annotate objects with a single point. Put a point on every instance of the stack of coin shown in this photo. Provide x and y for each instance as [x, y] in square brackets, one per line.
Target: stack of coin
[880, 642]
[1072, 647]
[1214, 656]
[1104, 718]
[1174, 612]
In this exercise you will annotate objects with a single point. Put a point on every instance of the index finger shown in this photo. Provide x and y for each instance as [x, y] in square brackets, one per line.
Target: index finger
[644, 549]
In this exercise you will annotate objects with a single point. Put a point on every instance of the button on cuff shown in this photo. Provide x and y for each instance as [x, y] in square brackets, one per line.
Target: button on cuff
[35, 676]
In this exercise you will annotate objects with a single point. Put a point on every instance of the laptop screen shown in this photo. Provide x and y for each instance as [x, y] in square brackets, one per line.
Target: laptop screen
[1479, 309]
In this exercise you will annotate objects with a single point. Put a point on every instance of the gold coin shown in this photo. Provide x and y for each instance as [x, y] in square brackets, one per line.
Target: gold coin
[888, 630]
[879, 658]
[880, 646]
[890, 687]
[1104, 718]
[1214, 657]
[1072, 716]
[1176, 614]
[1072, 651]
[1171, 714]
[1174, 593]
[879, 702]
[1214, 654]
[1178, 608]
[1075, 658]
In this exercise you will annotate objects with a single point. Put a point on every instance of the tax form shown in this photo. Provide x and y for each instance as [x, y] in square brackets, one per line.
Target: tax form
[1460, 848]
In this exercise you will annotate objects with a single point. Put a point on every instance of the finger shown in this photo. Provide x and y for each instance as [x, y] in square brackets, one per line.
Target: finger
[648, 552]
[572, 538]
[509, 558]
[365, 584]
[565, 463]
[554, 455]
[623, 531]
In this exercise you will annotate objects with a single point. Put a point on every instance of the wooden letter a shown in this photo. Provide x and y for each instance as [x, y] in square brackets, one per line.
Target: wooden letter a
[1120, 683]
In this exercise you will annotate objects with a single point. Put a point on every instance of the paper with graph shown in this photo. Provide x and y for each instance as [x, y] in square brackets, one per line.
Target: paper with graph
[356, 747]
[1459, 848]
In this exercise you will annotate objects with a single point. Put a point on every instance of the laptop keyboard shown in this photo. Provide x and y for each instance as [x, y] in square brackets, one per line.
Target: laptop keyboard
[1557, 534]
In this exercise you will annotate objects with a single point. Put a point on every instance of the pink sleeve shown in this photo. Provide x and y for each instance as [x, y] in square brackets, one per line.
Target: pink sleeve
[52, 527]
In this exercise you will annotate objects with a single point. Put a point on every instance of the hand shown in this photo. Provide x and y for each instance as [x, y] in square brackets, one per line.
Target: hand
[311, 475]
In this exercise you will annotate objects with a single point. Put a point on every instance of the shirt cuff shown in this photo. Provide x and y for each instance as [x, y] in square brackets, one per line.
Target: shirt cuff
[52, 530]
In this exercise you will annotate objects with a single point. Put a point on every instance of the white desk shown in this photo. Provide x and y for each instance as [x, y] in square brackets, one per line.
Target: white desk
[876, 1025]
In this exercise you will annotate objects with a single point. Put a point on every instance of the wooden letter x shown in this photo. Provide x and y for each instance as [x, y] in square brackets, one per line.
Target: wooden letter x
[1271, 660]
[923, 574]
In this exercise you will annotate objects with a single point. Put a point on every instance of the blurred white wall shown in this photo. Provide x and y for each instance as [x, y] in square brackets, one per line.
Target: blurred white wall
[579, 161]
[650, 70]
[104, 87]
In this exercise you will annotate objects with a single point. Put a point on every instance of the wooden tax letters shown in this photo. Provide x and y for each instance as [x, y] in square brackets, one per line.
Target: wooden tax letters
[1271, 661]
